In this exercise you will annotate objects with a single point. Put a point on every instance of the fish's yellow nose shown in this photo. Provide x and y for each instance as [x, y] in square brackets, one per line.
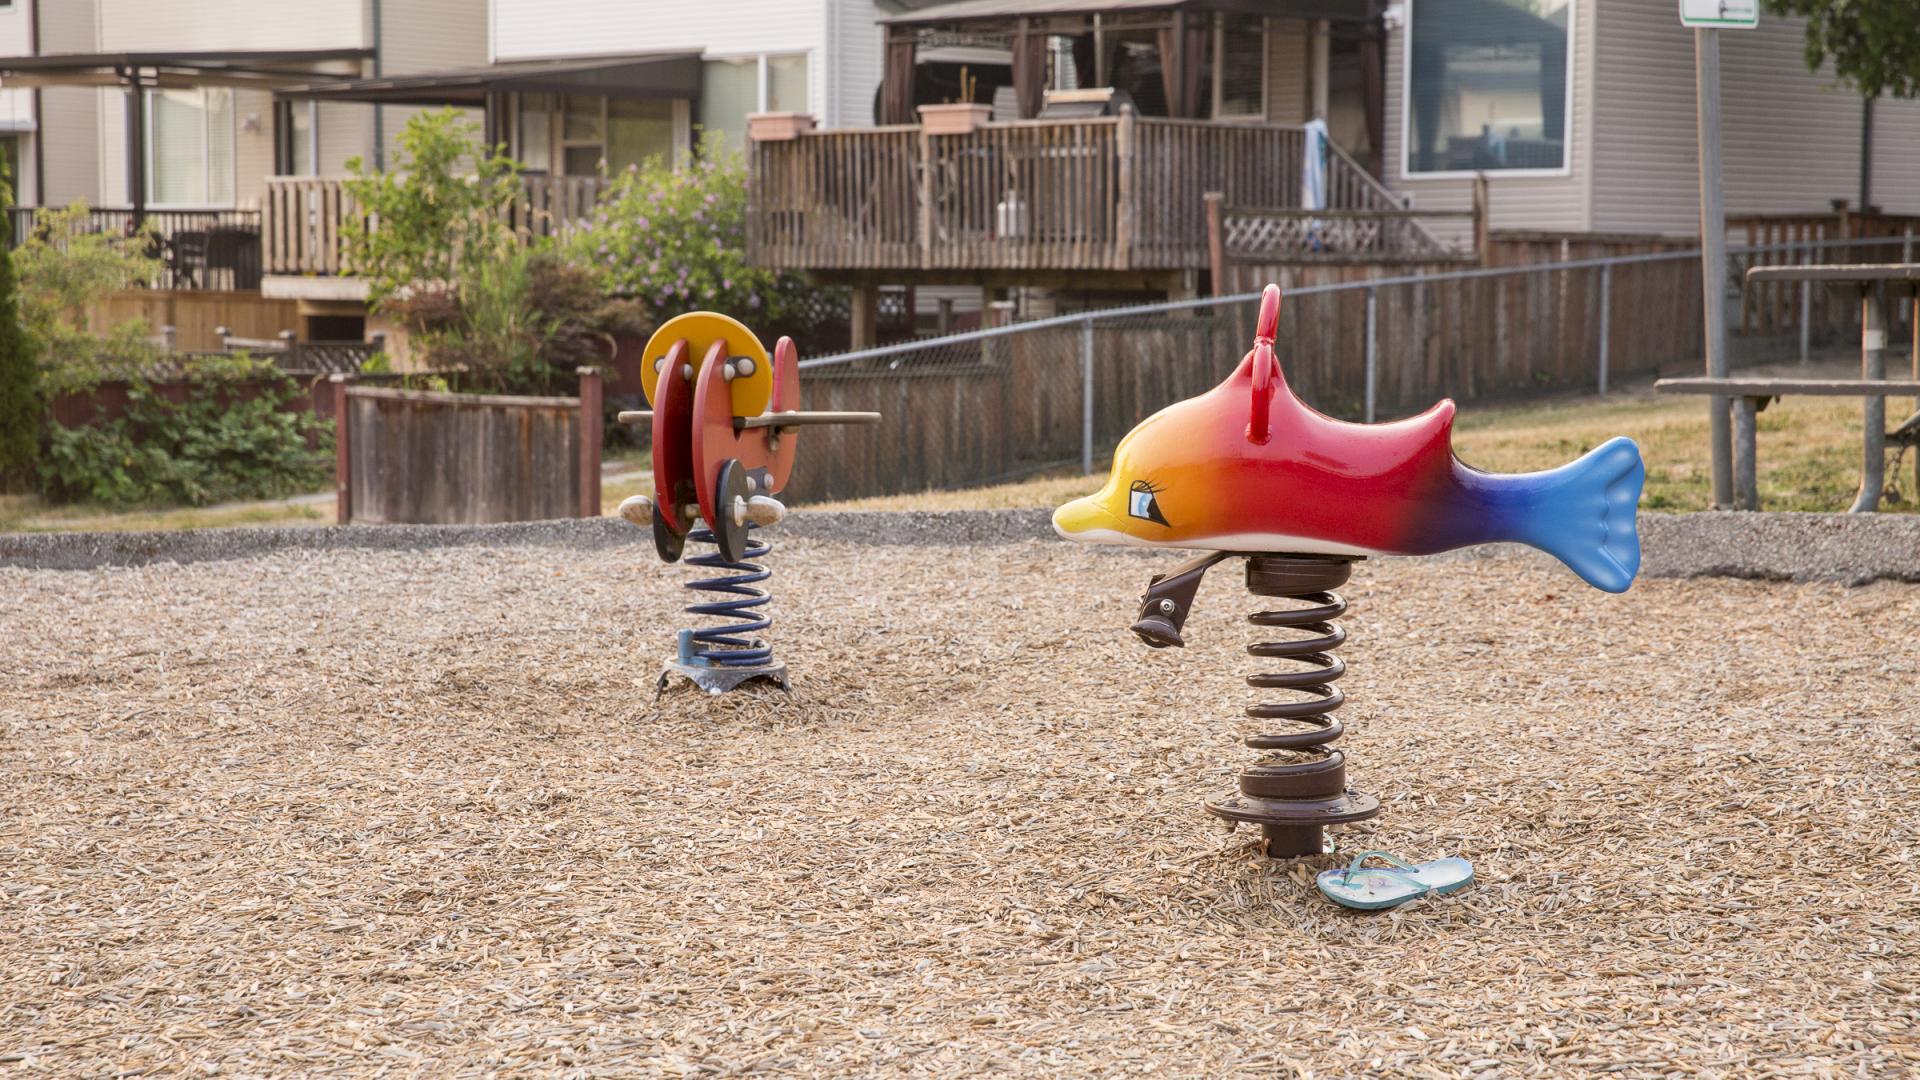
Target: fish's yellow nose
[1073, 520]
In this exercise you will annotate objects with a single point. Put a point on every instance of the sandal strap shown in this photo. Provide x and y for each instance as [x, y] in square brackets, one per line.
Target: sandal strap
[1386, 855]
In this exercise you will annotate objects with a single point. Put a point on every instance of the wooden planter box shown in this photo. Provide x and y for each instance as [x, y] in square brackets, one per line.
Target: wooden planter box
[778, 126]
[959, 119]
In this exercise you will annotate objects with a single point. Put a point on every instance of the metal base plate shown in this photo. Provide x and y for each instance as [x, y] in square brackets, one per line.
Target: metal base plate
[720, 679]
[1350, 806]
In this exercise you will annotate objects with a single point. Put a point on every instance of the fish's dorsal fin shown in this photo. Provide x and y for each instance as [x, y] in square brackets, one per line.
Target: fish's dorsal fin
[1264, 368]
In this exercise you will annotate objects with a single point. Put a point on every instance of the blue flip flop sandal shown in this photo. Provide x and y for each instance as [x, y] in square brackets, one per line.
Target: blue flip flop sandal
[1375, 887]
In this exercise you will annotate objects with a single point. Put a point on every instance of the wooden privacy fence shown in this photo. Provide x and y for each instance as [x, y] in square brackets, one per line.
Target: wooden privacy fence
[423, 457]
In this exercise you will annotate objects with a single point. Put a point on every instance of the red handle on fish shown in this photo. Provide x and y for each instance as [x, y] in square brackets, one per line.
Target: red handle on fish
[1266, 370]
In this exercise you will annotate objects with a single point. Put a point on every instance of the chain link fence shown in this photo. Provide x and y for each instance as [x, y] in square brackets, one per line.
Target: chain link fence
[996, 405]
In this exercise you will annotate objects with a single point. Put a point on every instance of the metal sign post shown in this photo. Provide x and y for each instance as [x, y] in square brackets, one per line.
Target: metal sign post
[1708, 17]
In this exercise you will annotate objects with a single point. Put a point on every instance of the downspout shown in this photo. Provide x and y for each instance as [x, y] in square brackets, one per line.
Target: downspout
[1866, 153]
[379, 116]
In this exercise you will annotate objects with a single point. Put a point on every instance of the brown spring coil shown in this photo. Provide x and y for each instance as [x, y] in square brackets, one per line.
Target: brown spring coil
[1298, 787]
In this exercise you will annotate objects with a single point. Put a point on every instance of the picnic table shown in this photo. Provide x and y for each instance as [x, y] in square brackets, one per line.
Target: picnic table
[1872, 282]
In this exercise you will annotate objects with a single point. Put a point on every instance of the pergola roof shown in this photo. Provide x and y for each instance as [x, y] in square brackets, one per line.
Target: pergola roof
[635, 75]
[267, 68]
[961, 11]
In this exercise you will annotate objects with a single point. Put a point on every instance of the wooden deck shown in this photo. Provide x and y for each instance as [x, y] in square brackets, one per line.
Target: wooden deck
[306, 216]
[1096, 194]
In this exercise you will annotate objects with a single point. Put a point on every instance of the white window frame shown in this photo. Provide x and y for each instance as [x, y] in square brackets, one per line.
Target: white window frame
[557, 142]
[233, 140]
[1406, 111]
[1220, 71]
[760, 62]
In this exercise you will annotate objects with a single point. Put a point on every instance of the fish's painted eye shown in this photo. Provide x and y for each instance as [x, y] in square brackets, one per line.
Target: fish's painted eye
[1143, 502]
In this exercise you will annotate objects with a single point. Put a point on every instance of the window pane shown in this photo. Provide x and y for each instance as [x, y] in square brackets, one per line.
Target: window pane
[535, 144]
[1487, 88]
[787, 83]
[581, 160]
[177, 150]
[300, 127]
[219, 113]
[582, 123]
[1243, 58]
[729, 90]
[638, 131]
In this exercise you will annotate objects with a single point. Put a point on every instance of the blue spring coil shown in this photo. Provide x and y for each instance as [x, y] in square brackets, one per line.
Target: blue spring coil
[729, 646]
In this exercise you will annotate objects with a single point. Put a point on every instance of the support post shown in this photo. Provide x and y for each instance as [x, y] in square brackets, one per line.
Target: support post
[1086, 397]
[137, 148]
[1216, 242]
[865, 317]
[1713, 253]
[1320, 61]
[1606, 321]
[592, 419]
[1482, 207]
[1746, 484]
[342, 452]
[1873, 365]
[1373, 353]
[1806, 312]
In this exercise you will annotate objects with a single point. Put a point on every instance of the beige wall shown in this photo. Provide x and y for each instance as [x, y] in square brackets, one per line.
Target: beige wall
[85, 137]
[1289, 74]
[69, 134]
[1790, 140]
[153, 25]
[1519, 202]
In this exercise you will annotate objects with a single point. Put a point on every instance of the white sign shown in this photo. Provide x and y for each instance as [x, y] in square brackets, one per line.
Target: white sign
[1723, 14]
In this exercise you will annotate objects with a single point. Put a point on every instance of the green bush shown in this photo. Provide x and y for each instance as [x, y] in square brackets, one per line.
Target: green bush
[676, 240]
[215, 447]
[65, 268]
[436, 216]
[19, 375]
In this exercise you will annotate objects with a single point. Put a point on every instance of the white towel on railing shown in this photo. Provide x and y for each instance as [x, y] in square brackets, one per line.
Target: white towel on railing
[1313, 167]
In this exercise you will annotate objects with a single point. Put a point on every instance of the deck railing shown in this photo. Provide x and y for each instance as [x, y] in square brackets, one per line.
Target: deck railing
[308, 216]
[200, 249]
[1100, 193]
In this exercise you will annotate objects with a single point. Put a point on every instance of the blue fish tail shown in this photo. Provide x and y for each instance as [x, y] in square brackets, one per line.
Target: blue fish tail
[1584, 513]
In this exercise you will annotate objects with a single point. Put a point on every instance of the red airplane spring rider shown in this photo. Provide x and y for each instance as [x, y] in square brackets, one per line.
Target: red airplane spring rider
[724, 419]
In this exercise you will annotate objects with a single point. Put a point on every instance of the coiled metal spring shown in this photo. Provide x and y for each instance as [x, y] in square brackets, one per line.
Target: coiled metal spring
[1315, 681]
[1299, 785]
[732, 645]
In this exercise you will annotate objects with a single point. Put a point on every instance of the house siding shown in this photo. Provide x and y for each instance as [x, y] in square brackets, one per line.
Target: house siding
[419, 36]
[1289, 97]
[840, 37]
[149, 26]
[69, 136]
[1790, 140]
[1517, 202]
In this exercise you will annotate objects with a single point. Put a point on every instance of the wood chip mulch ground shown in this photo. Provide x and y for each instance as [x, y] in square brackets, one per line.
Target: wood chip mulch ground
[347, 812]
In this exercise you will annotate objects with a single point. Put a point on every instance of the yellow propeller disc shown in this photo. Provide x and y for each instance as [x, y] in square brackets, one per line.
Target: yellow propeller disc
[750, 392]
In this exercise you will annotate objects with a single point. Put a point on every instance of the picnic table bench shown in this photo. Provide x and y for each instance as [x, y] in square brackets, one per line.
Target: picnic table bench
[1748, 396]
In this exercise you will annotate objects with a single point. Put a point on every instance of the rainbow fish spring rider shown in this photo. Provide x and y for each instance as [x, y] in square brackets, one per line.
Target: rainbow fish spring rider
[725, 420]
[1246, 470]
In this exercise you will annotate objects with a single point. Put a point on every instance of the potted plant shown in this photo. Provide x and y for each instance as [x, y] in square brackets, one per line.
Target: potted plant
[956, 117]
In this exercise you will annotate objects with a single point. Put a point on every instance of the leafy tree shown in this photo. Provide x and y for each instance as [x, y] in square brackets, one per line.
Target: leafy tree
[1874, 44]
[66, 268]
[442, 210]
[19, 376]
